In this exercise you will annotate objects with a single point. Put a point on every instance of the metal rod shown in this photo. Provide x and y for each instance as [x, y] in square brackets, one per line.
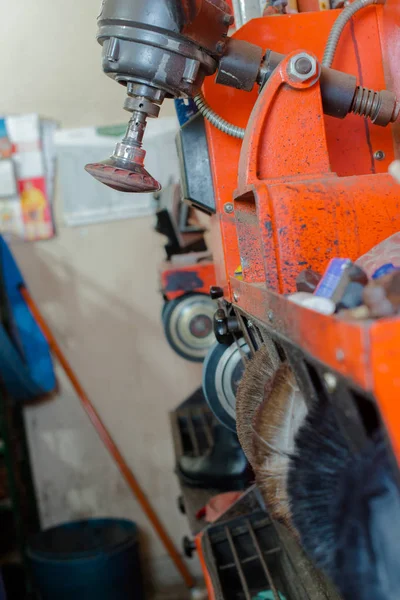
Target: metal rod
[192, 434]
[109, 442]
[262, 560]
[237, 564]
[249, 559]
[207, 429]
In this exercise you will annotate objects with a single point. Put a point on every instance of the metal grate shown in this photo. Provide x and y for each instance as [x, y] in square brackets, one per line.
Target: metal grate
[247, 556]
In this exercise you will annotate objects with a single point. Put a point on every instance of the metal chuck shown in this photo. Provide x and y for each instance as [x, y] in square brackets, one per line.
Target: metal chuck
[124, 171]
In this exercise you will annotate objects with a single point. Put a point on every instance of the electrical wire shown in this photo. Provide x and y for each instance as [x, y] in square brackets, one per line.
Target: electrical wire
[217, 120]
[329, 55]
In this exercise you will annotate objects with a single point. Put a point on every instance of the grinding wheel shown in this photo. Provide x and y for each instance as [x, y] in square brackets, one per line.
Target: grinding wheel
[222, 371]
[188, 325]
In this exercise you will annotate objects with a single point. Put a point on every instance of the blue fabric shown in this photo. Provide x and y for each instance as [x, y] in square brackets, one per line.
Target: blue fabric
[25, 360]
[3, 129]
[14, 372]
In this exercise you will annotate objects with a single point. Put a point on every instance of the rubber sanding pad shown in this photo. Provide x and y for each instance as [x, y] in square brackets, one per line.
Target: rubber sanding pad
[123, 177]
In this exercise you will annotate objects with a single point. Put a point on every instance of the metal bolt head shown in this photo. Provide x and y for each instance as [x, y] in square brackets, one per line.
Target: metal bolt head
[379, 155]
[216, 292]
[228, 208]
[330, 381]
[270, 316]
[339, 355]
[236, 297]
[302, 67]
[228, 19]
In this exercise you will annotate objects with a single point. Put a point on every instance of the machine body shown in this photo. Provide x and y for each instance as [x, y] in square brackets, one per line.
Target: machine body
[283, 198]
[301, 178]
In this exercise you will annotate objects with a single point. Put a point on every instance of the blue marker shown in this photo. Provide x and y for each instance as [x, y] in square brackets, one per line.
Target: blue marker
[331, 279]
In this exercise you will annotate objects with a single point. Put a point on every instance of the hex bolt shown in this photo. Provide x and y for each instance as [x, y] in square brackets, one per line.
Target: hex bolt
[228, 19]
[379, 155]
[228, 208]
[302, 68]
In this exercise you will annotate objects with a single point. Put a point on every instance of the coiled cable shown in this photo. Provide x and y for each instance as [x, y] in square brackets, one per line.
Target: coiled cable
[217, 120]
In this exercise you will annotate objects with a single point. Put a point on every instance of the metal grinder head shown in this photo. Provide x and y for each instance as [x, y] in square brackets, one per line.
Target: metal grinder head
[157, 49]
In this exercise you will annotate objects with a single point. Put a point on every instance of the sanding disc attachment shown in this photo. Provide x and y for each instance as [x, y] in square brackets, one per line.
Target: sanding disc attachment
[123, 176]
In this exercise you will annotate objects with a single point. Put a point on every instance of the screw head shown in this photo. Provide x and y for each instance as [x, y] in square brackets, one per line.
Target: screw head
[228, 208]
[270, 316]
[379, 155]
[236, 297]
[339, 355]
[228, 19]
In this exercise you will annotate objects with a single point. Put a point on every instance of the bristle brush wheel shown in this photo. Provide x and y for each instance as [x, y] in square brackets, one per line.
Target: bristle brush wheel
[346, 508]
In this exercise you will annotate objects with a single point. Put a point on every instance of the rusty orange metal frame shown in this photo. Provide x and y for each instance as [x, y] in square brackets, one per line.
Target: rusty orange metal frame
[204, 568]
[306, 188]
[179, 280]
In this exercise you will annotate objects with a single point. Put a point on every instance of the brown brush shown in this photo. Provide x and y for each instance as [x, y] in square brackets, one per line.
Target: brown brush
[276, 424]
[255, 383]
[269, 412]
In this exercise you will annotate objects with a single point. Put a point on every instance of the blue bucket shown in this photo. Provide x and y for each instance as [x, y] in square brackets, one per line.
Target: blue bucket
[96, 558]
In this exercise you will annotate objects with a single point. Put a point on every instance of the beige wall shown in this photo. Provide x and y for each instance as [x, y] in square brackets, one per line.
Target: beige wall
[51, 63]
[98, 288]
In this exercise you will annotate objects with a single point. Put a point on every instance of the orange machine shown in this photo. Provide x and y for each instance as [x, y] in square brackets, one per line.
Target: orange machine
[309, 182]
[306, 188]
[310, 101]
